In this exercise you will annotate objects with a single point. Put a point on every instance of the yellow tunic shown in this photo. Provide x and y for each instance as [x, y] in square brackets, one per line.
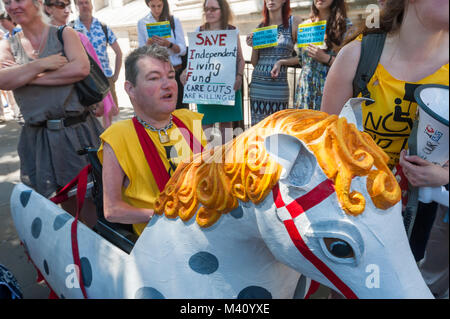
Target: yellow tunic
[142, 190]
[389, 120]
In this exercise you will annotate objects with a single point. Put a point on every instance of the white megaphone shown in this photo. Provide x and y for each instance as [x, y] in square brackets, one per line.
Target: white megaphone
[433, 134]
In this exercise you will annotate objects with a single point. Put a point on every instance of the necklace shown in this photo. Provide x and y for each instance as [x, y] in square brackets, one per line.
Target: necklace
[38, 51]
[163, 138]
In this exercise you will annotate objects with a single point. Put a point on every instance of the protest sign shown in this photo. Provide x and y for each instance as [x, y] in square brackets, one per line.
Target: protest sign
[161, 29]
[265, 37]
[311, 33]
[211, 68]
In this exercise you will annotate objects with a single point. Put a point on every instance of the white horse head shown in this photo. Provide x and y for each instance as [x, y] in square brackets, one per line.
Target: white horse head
[331, 209]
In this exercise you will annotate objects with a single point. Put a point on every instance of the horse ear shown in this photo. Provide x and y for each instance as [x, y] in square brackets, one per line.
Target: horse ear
[297, 161]
[352, 111]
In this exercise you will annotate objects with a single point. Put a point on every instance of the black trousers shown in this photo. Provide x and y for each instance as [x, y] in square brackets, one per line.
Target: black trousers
[422, 228]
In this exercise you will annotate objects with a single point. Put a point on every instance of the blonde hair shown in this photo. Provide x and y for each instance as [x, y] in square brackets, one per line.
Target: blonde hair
[248, 172]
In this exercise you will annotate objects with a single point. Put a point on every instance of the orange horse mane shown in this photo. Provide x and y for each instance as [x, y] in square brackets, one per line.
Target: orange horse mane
[243, 170]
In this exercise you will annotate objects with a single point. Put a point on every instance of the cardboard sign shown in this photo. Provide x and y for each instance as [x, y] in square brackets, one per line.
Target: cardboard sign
[311, 33]
[211, 69]
[161, 29]
[265, 37]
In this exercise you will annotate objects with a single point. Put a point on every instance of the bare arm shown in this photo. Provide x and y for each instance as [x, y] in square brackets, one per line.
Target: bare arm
[255, 54]
[13, 76]
[77, 68]
[339, 83]
[115, 209]
[277, 66]
[118, 62]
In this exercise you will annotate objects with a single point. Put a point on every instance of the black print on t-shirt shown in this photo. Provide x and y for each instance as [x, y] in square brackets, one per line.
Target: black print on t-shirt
[385, 138]
[170, 150]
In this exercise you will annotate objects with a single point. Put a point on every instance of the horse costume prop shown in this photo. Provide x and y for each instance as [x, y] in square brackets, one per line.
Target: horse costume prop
[301, 193]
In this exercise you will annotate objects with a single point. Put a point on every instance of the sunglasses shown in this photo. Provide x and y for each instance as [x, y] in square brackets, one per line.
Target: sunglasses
[59, 5]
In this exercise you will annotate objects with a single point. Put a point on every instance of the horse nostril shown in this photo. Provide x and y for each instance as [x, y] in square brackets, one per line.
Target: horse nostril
[339, 248]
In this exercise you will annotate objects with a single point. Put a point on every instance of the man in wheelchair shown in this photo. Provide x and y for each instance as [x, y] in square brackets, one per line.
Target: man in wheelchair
[140, 154]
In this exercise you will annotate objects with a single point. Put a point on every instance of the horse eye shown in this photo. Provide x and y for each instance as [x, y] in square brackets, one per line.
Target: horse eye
[339, 248]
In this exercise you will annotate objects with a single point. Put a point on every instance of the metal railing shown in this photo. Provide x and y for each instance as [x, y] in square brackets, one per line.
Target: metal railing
[293, 75]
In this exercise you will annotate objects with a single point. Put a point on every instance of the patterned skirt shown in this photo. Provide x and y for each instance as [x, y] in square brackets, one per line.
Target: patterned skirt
[268, 96]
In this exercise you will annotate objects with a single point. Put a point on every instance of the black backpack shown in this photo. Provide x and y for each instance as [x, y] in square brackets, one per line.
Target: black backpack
[371, 49]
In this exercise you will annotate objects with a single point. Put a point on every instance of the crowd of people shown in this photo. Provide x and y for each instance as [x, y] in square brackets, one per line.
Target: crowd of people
[41, 72]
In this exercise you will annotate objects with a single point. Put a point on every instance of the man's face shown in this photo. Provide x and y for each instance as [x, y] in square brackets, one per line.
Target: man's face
[84, 7]
[155, 92]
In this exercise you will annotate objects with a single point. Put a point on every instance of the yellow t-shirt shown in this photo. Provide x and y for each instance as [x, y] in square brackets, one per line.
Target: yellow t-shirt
[389, 120]
[142, 190]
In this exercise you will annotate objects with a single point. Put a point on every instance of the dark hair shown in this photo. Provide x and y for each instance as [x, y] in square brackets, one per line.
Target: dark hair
[165, 14]
[152, 51]
[391, 19]
[5, 16]
[48, 3]
[226, 16]
[336, 23]
[285, 13]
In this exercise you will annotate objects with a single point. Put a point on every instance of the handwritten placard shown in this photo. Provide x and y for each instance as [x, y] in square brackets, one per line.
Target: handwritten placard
[311, 33]
[265, 37]
[211, 69]
[161, 29]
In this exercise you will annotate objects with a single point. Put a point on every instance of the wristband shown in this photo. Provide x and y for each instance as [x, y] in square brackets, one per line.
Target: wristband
[170, 45]
[329, 61]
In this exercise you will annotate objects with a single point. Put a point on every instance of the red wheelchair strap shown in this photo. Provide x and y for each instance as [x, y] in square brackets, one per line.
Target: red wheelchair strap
[61, 196]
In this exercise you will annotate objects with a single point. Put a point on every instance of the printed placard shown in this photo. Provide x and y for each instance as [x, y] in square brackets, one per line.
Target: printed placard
[311, 33]
[211, 68]
[161, 29]
[265, 37]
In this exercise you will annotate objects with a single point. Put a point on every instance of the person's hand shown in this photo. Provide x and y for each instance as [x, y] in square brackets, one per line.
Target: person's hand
[149, 41]
[422, 173]
[183, 77]
[114, 110]
[99, 109]
[53, 62]
[249, 40]
[276, 69]
[238, 82]
[161, 41]
[115, 77]
[317, 54]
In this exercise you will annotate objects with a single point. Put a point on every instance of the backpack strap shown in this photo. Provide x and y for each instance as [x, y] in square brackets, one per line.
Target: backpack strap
[371, 48]
[105, 31]
[172, 26]
[59, 33]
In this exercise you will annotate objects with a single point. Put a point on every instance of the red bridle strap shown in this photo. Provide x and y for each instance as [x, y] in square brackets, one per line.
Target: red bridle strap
[295, 209]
